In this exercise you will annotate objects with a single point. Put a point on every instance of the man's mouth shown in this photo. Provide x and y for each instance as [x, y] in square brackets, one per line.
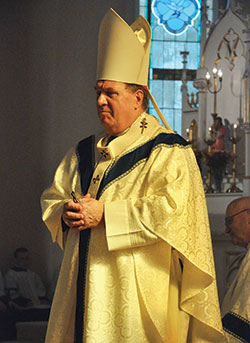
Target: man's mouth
[104, 110]
[104, 114]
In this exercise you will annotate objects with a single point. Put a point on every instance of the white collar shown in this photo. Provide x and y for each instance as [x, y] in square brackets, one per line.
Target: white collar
[141, 129]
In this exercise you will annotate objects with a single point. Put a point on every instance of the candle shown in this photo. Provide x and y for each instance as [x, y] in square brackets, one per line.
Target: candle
[208, 76]
[220, 73]
[210, 132]
[235, 131]
[214, 71]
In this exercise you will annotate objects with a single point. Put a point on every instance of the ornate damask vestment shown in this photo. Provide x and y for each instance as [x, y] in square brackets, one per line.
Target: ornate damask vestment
[148, 275]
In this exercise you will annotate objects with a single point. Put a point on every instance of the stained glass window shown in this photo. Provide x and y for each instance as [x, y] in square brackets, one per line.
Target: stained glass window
[166, 63]
[176, 16]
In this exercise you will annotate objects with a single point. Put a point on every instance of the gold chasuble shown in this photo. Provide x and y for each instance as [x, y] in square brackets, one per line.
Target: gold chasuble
[149, 273]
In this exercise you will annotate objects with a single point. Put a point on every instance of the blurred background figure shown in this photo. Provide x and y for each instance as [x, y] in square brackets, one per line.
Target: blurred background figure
[219, 133]
[24, 286]
[26, 290]
[7, 325]
[236, 304]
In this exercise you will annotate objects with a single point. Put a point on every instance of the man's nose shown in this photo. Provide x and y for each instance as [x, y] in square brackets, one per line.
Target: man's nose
[101, 100]
[227, 229]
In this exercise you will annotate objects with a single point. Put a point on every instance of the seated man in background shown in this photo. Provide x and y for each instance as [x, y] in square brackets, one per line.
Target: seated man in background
[25, 288]
[7, 326]
[236, 304]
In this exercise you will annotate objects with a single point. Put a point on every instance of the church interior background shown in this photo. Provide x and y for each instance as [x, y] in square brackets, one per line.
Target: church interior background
[199, 76]
[199, 73]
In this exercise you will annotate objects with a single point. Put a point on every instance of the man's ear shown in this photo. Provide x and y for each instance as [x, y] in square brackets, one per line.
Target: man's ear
[139, 95]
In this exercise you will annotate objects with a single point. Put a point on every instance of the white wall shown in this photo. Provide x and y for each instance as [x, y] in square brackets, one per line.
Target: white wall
[47, 75]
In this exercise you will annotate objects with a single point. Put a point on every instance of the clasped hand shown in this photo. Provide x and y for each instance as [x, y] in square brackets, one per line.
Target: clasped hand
[87, 213]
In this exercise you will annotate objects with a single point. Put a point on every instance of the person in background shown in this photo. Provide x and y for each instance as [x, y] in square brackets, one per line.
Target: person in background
[24, 286]
[236, 304]
[218, 133]
[26, 290]
[7, 324]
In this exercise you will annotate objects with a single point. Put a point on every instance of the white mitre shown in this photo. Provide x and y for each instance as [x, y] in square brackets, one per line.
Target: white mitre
[124, 52]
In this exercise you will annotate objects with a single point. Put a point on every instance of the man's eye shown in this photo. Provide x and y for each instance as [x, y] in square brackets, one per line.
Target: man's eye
[111, 94]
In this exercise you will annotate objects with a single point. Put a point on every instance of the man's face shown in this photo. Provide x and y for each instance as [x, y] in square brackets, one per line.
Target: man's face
[238, 226]
[117, 108]
[22, 260]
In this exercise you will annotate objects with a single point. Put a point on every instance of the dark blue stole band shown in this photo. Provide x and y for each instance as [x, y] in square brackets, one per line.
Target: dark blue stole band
[133, 158]
[86, 159]
[237, 326]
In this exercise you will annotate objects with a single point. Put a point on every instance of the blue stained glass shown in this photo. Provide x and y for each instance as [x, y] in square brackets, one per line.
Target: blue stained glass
[143, 9]
[169, 115]
[177, 120]
[168, 97]
[169, 56]
[177, 15]
[156, 87]
[191, 34]
[158, 33]
[165, 54]
[157, 51]
[172, 57]
[192, 48]
[168, 100]
[178, 95]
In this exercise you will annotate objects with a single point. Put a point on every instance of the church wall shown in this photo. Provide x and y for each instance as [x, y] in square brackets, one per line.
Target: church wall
[229, 99]
[48, 63]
